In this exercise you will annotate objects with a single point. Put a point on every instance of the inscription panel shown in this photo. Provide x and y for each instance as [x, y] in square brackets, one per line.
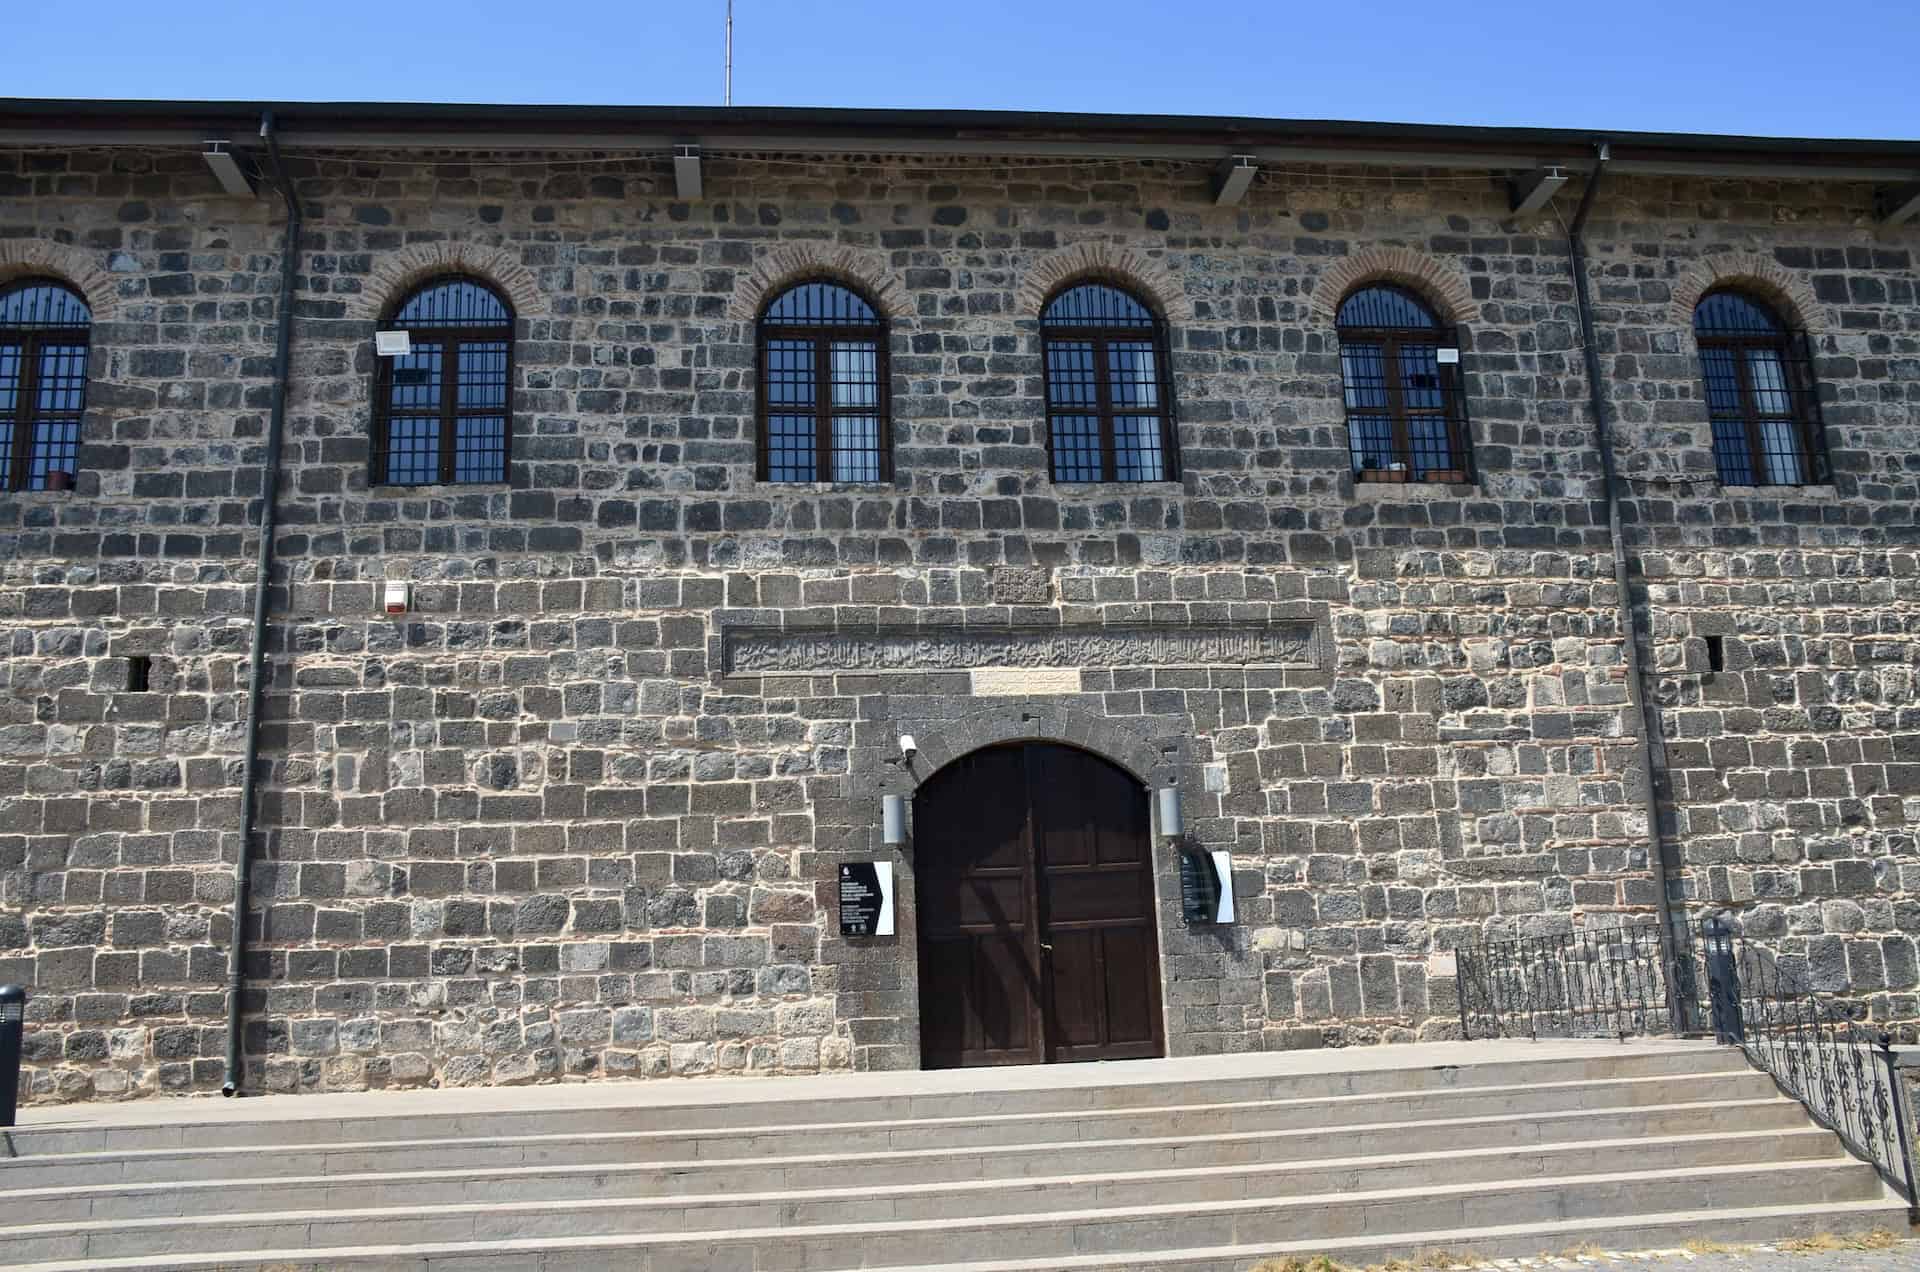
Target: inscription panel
[752, 651]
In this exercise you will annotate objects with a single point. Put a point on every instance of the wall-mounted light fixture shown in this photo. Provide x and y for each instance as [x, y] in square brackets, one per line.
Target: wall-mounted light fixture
[1231, 177]
[1170, 824]
[893, 820]
[686, 173]
[226, 169]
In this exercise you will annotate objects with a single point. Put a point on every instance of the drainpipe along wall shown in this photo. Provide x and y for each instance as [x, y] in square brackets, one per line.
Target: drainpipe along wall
[1628, 612]
[262, 586]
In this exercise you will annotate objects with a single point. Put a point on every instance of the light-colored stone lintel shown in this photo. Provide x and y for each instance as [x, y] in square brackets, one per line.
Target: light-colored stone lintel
[1005, 681]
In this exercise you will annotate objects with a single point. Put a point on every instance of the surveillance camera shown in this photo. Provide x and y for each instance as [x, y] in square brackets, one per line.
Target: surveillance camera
[907, 748]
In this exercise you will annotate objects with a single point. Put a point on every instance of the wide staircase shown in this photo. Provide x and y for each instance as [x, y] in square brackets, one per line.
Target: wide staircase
[1497, 1149]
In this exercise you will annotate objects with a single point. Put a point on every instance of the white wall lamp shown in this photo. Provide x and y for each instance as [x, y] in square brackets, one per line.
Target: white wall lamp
[1171, 826]
[893, 820]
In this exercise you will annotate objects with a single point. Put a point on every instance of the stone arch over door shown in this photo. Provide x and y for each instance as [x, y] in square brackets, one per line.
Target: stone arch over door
[944, 740]
[1215, 966]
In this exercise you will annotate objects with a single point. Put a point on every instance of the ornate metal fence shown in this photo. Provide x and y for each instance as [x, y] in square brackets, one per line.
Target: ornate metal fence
[1815, 1048]
[1617, 982]
[1591, 983]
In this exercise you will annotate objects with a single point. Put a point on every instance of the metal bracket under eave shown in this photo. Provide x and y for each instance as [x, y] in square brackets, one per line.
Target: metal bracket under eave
[1898, 204]
[686, 172]
[226, 169]
[1535, 190]
[1231, 177]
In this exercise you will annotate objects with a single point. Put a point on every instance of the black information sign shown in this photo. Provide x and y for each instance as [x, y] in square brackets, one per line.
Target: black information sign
[1199, 889]
[861, 899]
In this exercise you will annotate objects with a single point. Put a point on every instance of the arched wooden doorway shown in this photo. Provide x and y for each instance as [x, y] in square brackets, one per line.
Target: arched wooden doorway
[1034, 876]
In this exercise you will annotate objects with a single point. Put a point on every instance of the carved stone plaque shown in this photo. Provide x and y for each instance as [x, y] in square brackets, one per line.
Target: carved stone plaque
[1022, 585]
[760, 651]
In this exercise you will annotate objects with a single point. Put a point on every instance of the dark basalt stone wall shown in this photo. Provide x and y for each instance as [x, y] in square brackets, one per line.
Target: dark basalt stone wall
[533, 828]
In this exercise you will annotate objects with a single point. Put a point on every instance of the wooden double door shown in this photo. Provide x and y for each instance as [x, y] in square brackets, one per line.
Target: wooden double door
[1034, 881]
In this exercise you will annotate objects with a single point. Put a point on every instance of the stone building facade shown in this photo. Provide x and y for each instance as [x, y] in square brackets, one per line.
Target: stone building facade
[564, 817]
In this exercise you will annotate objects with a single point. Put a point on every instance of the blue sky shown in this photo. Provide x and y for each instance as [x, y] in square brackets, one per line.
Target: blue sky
[1839, 69]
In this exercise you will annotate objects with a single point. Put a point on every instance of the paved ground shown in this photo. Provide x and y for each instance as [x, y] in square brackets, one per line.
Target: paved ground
[1895, 1258]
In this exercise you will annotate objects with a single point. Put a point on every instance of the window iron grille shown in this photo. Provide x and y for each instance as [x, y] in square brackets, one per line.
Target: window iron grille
[1406, 414]
[1110, 406]
[1762, 399]
[443, 411]
[823, 388]
[45, 330]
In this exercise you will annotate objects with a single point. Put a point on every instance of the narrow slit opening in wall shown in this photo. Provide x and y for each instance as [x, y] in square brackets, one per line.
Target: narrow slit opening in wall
[139, 673]
[1716, 653]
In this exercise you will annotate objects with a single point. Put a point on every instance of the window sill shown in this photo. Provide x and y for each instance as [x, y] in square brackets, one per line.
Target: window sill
[822, 487]
[396, 486]
[1817, 490]
[1411, 490]
[1109, 485]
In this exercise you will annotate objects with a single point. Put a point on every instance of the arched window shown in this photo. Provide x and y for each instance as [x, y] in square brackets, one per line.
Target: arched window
[823, 388]
[44, 328]
[1760, 394]
[441, 410]
[1406, 419]
[1109, 401]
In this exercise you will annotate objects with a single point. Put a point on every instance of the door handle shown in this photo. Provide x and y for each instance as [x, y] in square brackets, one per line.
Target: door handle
[1046, 947]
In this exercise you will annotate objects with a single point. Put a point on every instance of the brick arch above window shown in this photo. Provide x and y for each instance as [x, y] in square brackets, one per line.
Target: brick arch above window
[1103, 261]
[397, 273]
[776, 270]
[1443, 287]
[23, 258]
[1755, 274]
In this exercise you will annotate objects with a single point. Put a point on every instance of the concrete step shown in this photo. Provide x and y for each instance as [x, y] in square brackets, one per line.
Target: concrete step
[1179, 1166]
[1102, 1088]
[866, 1137]
[1747, 1225]
[486, 1236]
[659, 1198]
[1235, 1163]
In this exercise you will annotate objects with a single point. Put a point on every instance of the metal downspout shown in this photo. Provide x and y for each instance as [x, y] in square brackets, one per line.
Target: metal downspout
[262, 585]
[1628, 614]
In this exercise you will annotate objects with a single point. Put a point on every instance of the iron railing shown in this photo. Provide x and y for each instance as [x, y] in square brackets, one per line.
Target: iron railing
[1608, 982]
[1616, 982]
[1815, 1047]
